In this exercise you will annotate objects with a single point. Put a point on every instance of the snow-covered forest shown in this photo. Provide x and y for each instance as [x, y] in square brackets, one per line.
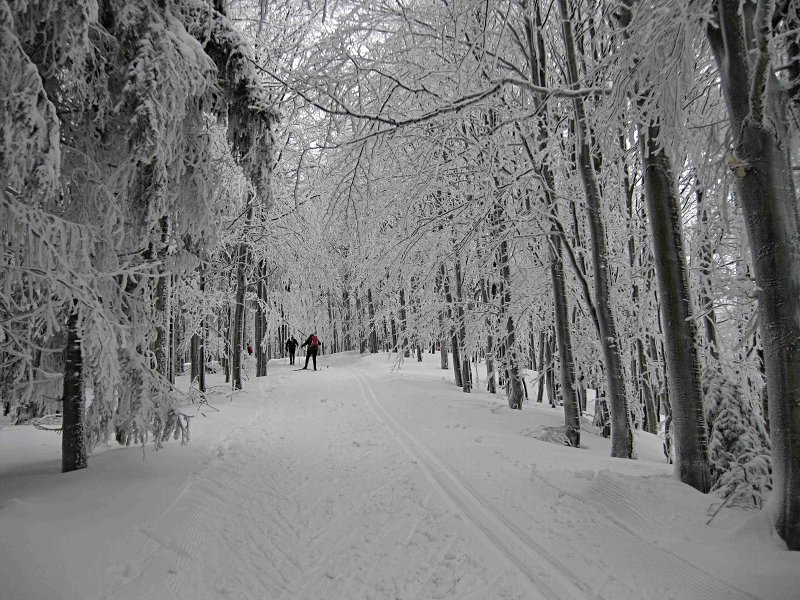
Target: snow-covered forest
[582, 208]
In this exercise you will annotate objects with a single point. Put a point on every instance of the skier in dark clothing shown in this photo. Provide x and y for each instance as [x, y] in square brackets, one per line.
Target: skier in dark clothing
[313, 347]
[291, 347]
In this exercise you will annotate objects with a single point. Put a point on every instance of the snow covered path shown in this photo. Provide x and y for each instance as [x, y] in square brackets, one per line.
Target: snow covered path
[358, 481]
[314, 498]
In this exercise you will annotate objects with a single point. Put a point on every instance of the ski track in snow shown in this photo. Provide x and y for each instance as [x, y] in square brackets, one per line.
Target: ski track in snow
[310, 500]
[618, 533]
[313, 500]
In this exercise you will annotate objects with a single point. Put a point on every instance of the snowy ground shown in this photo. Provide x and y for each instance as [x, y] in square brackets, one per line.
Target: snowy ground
[360, 481]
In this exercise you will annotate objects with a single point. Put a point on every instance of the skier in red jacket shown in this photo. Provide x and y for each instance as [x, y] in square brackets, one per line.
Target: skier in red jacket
[313, 347]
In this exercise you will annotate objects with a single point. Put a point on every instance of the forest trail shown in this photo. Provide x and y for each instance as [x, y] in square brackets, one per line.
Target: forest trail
[351, 484]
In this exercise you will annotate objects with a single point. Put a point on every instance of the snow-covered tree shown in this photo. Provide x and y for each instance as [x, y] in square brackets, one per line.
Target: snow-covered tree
[117, 101]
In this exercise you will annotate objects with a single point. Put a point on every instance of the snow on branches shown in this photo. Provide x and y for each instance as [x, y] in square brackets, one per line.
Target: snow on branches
[249, 110]
[108, 178]
[30, 152]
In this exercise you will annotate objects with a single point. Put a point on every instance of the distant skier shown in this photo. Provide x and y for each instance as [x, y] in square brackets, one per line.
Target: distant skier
[291, 348]
[313, 347]
[249, 348]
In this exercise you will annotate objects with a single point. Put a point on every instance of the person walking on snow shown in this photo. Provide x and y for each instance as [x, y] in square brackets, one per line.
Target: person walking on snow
[291, 347]
[313, 347]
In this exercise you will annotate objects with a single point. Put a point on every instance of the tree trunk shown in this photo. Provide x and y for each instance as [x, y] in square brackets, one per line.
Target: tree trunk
[238, 320]
[174, 358]
[549, 372]
[651, 411]
[531, 346]
[404, 323]
[441, 333]
[394, 334]
[261, 322]
[347, 326]
[538, 68]
[540, 374]
[194, 345]
[362, 339]
[373, 334]
[226, 330]
[621, 433]
[453, 336]
[162, 344]
[490, 381]
[572, 419]
[73, 428]
[466, 376]
[442, 343]
[766, 192]
[680, 330]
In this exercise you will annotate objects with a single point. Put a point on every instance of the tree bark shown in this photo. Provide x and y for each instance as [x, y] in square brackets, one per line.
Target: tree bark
[453, 336]
[466, 376]
[404, 323]
[238, 319]
[761, 166]
[73, 427]
[348, 320]
[394, 334]
[572, 420]
[490, 378]
[373, 334]
[621, 433]
[362, 339]
[537, 64]
[643, 371]
[516, 395]
[441, 333]
[680, 331]
[542, 370]
[201, 349]
[261, 322]
[194, 345]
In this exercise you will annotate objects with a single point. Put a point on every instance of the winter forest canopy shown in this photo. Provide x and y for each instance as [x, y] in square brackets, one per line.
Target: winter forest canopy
[603, 191]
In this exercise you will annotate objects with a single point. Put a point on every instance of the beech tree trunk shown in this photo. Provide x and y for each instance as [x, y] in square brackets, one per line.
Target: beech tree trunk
[362, 338]
[73, 427]
[194, 352]
[491, 385]
[203, 336]
[441, 334]
[466, 375]
[515, 393]
[760, 162]
[261, 323]
[621, 432]
[542, 367]
[706, 259]
[453, 336]
[678, 323]
[373, 334]
[680, 330]
[237, 343]
[238, 320]
[538, 68]
[404, 324]
[645, 381]
[347, 326]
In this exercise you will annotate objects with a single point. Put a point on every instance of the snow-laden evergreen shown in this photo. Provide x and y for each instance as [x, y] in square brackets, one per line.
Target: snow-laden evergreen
[738, 442]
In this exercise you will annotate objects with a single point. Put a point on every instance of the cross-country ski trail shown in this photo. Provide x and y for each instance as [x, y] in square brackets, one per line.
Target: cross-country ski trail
[373, 482]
